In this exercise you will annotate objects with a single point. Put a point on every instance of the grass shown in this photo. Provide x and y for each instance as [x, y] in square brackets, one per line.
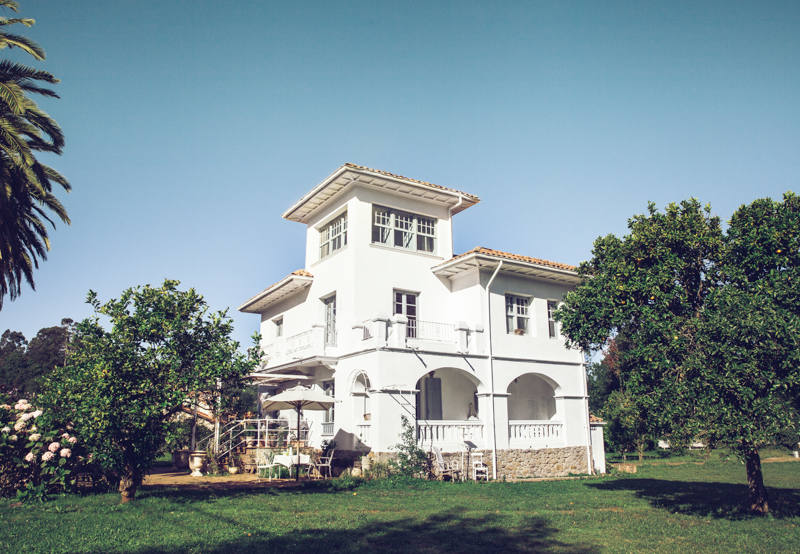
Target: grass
[693, 505]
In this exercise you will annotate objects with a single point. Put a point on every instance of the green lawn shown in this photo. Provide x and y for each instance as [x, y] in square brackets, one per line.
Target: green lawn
[693, 506]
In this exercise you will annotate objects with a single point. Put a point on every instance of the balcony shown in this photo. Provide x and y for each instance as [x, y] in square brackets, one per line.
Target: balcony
[402, 332]
[533, 434]
[449, 435]
[295, 347]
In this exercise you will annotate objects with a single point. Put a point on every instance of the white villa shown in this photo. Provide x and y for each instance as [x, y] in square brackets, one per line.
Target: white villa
[389, 322]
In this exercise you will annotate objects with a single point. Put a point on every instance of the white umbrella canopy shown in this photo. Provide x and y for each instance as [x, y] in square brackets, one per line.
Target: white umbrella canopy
[298, 398]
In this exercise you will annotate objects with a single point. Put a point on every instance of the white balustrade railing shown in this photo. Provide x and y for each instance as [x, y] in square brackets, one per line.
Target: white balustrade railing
[535, 433]
[327, 428]
[284, 349]
[449, 434]
[364, 430]
[432, 330]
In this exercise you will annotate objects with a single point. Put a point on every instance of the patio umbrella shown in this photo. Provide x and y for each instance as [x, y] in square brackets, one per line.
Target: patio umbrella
[298, 398]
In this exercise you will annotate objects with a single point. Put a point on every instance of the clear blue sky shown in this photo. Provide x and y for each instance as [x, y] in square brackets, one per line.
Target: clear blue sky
[192, 125]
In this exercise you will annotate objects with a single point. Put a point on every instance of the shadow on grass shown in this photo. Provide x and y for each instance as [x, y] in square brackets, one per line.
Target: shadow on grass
[721, 500]
[450, 531]
[202, 492]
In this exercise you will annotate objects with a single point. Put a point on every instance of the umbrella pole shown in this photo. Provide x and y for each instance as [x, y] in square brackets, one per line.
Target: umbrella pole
[297, 468]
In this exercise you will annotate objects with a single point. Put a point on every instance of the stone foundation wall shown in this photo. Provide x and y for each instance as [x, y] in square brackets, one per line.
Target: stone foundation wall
[522, 464]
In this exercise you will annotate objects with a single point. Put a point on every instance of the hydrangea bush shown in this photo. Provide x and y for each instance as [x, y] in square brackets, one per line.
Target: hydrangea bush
[37, 458]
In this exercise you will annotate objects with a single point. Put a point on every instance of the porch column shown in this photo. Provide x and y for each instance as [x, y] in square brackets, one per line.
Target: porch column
[501, 419]
[397, 337]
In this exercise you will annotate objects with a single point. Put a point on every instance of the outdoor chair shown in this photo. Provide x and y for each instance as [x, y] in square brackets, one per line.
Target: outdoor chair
[323, 464]
[264, 460]
[443, 468]
[479, 469]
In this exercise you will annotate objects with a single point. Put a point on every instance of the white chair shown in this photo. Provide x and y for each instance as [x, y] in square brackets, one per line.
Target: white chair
[264, 461]
[443, 468]
[323, 464]
[479, 469]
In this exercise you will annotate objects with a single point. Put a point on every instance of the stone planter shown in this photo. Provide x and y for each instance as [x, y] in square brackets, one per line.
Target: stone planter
[233, 470]
[180, 459]
[197, 459]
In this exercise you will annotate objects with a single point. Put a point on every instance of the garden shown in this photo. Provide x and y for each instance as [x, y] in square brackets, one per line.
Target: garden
[689, 502]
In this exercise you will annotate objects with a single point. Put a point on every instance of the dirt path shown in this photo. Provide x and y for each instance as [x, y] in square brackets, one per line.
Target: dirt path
[169, 477]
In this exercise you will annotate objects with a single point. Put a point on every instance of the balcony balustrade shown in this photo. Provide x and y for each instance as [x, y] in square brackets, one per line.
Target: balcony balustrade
[535, 434]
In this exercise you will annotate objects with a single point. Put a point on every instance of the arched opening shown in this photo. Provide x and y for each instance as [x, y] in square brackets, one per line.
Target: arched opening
[361, 400]
[447, 394]
[531, 397]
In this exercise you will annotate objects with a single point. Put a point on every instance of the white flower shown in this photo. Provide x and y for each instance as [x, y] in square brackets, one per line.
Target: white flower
[47, 456]
[29, 457]
[35, 437]
[26, 417]
[22, 405]
[5, 406]
[37, 413]
[6, 429]
[72, 440]
[13, 438]
[54, 446]
[19, 425]
[65, 453]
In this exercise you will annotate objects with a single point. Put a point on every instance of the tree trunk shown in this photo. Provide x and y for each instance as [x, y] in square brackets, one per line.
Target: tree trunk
[128, 485]
[640, 450]
[755, 481]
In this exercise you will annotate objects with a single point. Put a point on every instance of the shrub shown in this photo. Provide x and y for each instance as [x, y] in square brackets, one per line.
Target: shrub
[37, 457]
[411, 460]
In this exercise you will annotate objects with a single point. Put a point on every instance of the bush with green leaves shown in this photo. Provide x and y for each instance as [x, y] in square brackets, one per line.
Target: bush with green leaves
[37, 458]
[411, 460]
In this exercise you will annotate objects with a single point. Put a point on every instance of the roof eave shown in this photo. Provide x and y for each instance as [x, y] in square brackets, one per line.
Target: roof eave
[268, 291]
[493, 260]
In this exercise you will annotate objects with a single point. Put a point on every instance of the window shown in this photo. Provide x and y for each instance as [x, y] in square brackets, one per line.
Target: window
[552, 306]
[405, 303]
[278, 327]
[517, 314]
[330, 320]
[403, 230]
[333, 236]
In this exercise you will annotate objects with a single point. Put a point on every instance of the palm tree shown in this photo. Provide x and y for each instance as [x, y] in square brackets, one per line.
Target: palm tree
[26, 185]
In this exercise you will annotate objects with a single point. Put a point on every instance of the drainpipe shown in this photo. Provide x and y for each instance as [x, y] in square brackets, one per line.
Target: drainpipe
[491, 368]
[452, 245]
[588, 424]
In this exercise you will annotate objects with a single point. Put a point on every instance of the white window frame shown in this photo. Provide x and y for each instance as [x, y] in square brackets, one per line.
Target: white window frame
[329, 310]
[333, 236]
[403, 230]
[552, 324]
[412, 329]
[517, 309]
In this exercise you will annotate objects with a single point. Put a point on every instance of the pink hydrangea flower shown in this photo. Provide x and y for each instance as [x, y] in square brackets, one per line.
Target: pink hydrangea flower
[65, 453]
[6, 429]
[64, 435]
[5, 406]
[19, 425]
[26, 417]
[35, 437]
[29, 457]
[37, 413]
[22, 405]
[47, 456]
[72, 440]
[54, 446]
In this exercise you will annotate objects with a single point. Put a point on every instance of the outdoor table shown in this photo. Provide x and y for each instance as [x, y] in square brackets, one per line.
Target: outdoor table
[289, 461]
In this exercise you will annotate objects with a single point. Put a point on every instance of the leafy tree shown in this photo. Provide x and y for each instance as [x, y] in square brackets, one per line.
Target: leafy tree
[26, 199]
[23, 364]
[603, 378]
[121, 387]
[710, 320]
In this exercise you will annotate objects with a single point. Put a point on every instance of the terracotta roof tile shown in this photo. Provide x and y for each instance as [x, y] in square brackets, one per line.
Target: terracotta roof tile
[516, 257]
[301, 273]
[427, 184]
[594, 419]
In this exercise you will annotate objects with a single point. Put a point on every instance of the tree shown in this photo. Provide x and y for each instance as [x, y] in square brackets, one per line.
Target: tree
[23, 364]
[710, 320]
[121, 387]
[26, 198]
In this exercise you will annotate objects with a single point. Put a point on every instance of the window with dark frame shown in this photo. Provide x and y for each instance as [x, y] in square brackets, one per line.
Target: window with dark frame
[278, 327]
[406, 303]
